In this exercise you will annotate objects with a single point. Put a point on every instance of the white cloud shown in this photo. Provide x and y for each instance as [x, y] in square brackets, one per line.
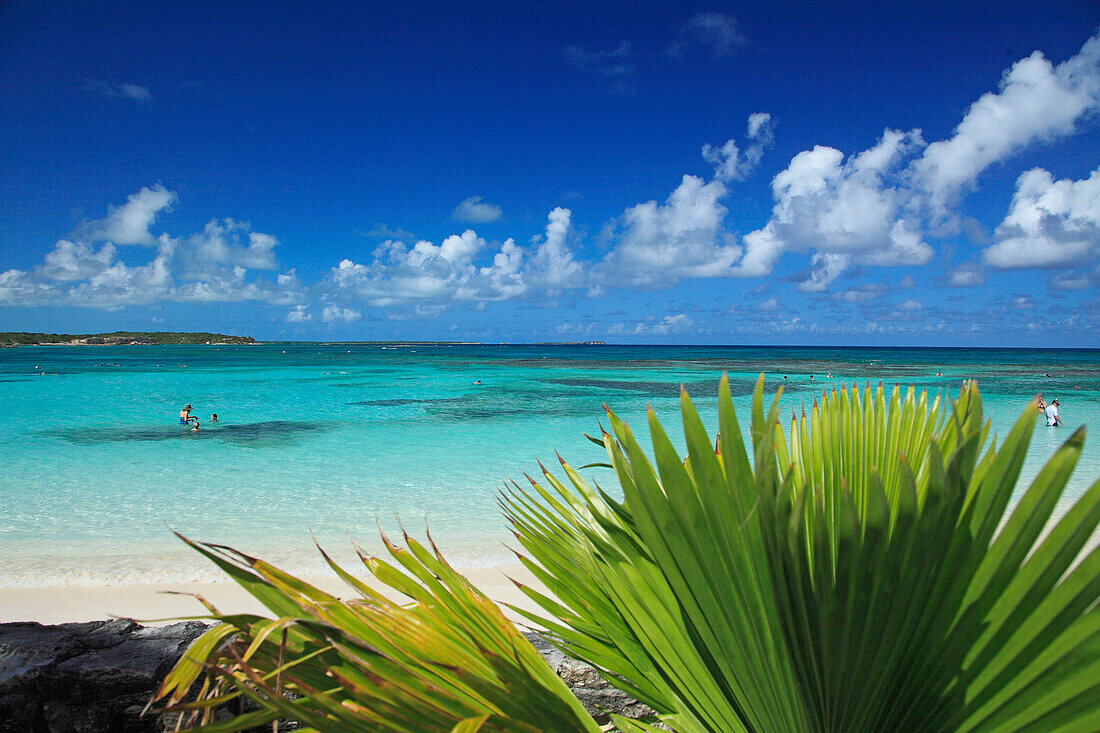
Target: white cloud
[845, 211]
[824, 268]
[228, 243]
[71, 261]
[659, 244]
[212, 266]
[334, 314]
[475, 211]
[298, 314]
[428, 272]
[129, 223]
[553, 264]
[671, 324]
[1050, 223]
[966, 276]
[730, 163]
[910, 305]
[119, 89]
[1036, 101]
[872, 208]
[717, 32]
[17, 287]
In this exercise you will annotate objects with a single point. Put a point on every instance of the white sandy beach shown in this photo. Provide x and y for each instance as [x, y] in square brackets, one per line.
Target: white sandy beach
[160, 603]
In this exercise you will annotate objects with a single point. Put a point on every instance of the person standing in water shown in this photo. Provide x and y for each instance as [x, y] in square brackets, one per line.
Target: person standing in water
[185, 415]
[1053, 420]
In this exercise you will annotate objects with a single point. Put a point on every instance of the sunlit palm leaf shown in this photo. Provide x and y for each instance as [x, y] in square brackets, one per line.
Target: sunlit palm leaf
[447, 661]
[858, 575]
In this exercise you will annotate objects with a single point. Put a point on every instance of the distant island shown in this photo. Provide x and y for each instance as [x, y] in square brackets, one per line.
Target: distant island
[119, 338]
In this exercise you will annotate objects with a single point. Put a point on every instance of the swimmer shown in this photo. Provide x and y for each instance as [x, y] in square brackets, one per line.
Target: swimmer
[1040, 405]
[214, 417]
[811, 377]
[185, 414]
[195, 427]
[478, 382]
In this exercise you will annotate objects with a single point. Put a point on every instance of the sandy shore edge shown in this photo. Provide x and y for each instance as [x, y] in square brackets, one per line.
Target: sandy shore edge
[156, 604]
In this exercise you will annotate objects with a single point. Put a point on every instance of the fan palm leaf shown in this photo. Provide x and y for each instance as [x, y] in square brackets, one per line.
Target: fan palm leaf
[858, 572]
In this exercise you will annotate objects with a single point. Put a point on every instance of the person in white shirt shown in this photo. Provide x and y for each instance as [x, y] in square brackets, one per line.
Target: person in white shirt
[1052, 414]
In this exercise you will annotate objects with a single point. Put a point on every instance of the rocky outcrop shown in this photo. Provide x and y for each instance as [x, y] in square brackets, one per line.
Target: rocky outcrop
[77, 678]
[98, 676]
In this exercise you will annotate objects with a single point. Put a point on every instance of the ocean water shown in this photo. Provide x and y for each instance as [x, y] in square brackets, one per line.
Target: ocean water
[343, 439]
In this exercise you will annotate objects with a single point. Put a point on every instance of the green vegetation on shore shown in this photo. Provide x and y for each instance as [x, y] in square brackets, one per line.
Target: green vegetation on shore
[861, 572]
[121, 338]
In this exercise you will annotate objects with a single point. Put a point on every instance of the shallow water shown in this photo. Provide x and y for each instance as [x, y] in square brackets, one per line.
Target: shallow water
[97, 470]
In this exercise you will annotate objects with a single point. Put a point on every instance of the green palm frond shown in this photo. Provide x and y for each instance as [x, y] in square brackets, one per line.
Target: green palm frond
[447, 661]
[856, 573]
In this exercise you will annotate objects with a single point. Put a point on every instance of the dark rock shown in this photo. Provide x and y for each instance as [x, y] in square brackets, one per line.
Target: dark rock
[98, 676]
[598, 696]
[94, 676]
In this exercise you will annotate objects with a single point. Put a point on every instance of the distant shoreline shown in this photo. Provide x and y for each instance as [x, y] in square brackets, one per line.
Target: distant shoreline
[123, 338]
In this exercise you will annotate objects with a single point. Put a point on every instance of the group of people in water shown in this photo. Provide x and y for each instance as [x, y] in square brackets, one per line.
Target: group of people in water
[187, 419]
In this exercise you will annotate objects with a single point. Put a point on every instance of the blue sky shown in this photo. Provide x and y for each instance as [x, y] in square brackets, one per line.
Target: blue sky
[757, 173]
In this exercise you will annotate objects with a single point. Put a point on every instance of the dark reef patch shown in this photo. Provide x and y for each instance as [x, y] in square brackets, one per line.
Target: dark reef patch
[655, 389]
[256, 434]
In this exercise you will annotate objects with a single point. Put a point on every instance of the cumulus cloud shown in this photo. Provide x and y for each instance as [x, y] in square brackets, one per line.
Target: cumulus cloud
[123, 90]
[1050, 223]
[730, 162]
[399, 274]
[824, 269]
[553, 264]
[874, 207]
[463, 267]
[717, 33]
[846, 211]
[965, 276]
[228, 243]
[475, 211]
[299, 314]
[71, 261]
[129, 223]
[1035, 101]
[336, 314]
[215, 265]
[660, 244]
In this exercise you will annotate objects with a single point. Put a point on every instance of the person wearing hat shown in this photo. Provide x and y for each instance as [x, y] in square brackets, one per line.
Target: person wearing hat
[185, 415]
[1052, 414]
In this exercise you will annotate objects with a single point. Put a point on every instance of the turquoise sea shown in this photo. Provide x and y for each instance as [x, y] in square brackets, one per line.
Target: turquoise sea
[339, 438]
